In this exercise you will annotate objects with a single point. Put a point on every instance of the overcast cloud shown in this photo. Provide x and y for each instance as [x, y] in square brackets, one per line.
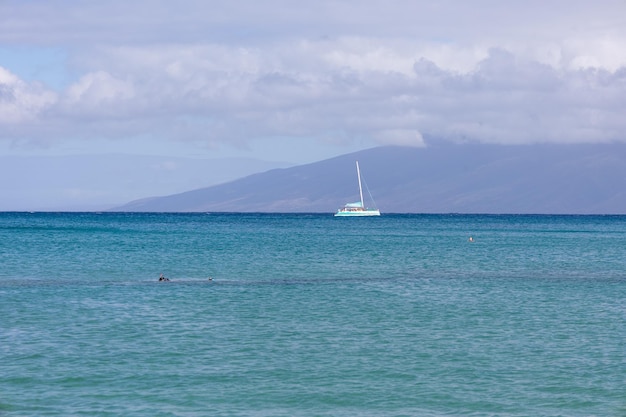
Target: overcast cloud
[237, 72]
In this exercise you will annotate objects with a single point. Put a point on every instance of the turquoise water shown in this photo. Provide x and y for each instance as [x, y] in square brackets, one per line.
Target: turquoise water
[311, 315]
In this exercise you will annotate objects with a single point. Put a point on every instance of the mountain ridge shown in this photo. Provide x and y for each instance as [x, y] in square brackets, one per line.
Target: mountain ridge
[96, 182]
[441, 178]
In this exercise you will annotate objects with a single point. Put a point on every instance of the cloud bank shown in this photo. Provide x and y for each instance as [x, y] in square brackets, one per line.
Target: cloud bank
[384, 72]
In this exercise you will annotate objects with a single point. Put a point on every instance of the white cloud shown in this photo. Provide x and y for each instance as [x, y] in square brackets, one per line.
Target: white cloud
[400, 137]
[21, 102]
[97, 92]
[387, 72]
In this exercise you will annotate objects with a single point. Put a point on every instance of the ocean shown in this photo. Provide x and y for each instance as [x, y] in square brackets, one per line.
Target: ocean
[311, 315]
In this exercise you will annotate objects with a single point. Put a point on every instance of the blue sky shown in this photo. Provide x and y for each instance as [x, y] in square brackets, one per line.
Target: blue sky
[293, 82]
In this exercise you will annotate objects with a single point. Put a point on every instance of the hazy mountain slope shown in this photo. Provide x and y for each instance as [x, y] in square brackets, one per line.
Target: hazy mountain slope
[437, 179]
[96, 182]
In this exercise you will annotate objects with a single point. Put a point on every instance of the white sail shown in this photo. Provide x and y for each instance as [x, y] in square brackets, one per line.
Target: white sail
[357, 209]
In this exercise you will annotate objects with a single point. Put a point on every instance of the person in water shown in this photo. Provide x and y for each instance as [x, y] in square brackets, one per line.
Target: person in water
[162, 278]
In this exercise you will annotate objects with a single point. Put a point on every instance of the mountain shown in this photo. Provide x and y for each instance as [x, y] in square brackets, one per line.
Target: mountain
[440, 178]
[97, 182]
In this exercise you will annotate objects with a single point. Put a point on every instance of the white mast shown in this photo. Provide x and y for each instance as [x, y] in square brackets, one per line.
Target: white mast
[358, 173]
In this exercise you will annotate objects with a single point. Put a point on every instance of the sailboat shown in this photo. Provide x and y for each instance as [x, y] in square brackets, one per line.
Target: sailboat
[357, 209]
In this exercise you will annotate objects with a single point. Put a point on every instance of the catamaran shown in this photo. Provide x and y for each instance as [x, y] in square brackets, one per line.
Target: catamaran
[357, 209]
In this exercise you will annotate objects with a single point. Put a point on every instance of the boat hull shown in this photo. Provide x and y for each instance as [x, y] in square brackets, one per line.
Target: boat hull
[357, 213]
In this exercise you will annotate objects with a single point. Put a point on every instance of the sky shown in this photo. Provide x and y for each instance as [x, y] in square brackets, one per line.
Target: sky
[294, 83]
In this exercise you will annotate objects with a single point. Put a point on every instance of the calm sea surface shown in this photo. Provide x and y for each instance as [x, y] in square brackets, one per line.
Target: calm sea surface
[311, 315]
